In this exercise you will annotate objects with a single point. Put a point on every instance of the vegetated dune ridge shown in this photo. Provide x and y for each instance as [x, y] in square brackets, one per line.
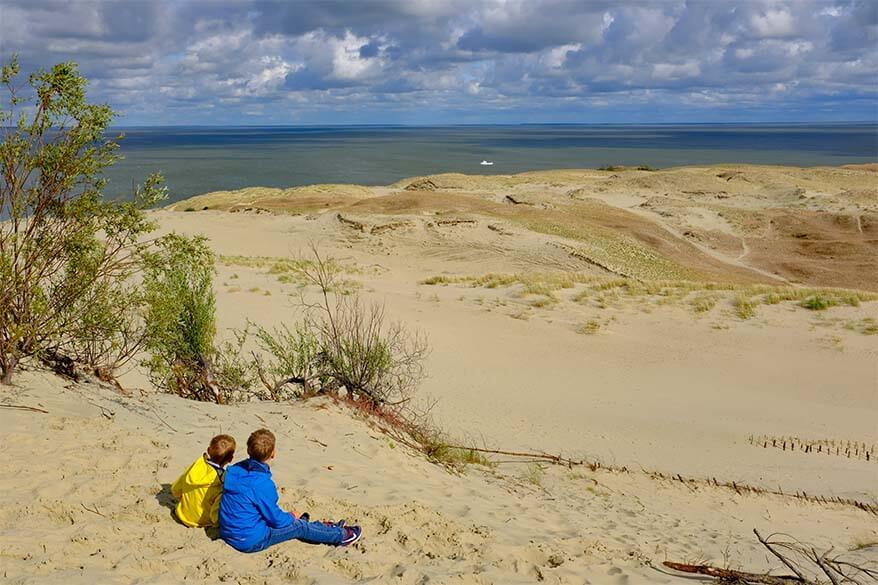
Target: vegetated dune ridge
[741, 223]
[85, 499]
[625, 326]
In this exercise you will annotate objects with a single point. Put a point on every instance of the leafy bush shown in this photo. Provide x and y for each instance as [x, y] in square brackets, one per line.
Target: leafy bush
[66, 254]
[293, 356]
[181, 317]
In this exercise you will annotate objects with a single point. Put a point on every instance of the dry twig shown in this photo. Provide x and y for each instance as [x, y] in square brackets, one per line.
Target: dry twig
[21, 407]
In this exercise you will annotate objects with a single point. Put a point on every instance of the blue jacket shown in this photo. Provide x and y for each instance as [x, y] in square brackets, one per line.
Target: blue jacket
[248, 508]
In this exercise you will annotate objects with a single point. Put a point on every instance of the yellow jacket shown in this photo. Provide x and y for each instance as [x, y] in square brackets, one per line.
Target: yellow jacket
[199, 490]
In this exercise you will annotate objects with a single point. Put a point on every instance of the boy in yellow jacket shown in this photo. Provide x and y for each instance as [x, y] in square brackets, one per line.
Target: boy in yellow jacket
[201, 485]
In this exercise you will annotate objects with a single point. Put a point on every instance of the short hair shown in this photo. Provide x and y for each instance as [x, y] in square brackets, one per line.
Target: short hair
[221, 449]
[260, 445]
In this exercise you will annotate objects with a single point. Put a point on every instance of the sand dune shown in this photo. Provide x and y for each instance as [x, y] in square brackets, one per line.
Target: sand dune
[646, 320]
[807, 225]
[87, 501]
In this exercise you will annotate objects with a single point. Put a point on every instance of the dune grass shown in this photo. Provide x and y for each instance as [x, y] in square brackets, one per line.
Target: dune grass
[590, 327]
[866, 326]
[292, 270]
[543, 289]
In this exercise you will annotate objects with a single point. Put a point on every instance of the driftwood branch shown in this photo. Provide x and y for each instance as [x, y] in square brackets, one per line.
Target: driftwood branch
[782, 558]
[732, 576]
[810, 567]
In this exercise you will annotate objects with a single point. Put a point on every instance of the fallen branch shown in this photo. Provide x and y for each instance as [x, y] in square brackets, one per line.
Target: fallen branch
[809, 566]
[732, 576]
[538, 456]
[21, 407]
[782, 558]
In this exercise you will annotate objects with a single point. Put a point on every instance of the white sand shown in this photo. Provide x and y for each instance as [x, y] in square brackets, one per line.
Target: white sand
[84, 500]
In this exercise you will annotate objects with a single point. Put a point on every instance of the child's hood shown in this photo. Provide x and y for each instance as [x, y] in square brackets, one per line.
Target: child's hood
[245, 475]
[201, 473]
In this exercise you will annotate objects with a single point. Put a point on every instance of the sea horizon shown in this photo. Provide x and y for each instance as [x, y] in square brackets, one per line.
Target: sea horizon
[511, 124]
[200, 159]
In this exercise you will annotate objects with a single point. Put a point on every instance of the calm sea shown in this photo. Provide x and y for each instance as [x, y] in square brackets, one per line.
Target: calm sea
[198, 160]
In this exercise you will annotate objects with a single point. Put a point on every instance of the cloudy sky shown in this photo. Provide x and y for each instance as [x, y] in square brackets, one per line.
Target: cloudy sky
[460, 61]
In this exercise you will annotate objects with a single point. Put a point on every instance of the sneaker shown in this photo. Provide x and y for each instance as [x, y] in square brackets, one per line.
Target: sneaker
[351, 535]
[339, 524]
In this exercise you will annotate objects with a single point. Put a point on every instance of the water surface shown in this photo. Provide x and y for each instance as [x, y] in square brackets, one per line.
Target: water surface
[196, 160]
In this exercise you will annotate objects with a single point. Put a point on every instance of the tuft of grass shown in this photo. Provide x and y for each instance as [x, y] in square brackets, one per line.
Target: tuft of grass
[703, 302]
[533, 474]
[542, 302]
[589, 327]
[744, 307]
[866, 326]
[434, 280]
[863, 543]
[817, 303]
[772, 299]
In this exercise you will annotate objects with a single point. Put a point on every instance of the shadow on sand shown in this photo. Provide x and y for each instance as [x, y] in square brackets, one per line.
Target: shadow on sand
[167, 500]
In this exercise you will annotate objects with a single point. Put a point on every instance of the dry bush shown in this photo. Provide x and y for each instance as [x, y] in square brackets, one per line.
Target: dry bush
[360, 348]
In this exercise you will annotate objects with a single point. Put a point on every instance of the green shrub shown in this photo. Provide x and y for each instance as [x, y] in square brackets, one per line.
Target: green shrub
[181, 317]
[292, 356]
[67, 255]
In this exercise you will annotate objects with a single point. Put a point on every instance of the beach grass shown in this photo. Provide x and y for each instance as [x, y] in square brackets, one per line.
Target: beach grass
[544, 289]
[292, 270]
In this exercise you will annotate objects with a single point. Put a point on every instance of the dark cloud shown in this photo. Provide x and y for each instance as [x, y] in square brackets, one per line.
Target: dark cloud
[209, 61]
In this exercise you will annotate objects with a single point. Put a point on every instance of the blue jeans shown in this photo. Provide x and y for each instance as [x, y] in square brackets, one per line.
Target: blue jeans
[310, 532]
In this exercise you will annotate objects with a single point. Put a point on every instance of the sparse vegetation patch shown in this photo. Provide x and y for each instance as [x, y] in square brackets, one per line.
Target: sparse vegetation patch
[544, 289]
[291, 270]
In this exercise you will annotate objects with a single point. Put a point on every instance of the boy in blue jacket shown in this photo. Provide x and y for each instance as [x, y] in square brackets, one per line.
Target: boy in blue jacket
[249, 517]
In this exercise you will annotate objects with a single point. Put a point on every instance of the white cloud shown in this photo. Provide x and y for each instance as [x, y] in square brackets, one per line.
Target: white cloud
[423, 54]
[773, 23]
[676, 70]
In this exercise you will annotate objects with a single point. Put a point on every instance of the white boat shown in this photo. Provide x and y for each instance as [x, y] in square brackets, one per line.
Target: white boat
[486, 163]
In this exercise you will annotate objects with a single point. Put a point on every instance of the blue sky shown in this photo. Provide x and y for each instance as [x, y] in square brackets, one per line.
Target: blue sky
[460, 61]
